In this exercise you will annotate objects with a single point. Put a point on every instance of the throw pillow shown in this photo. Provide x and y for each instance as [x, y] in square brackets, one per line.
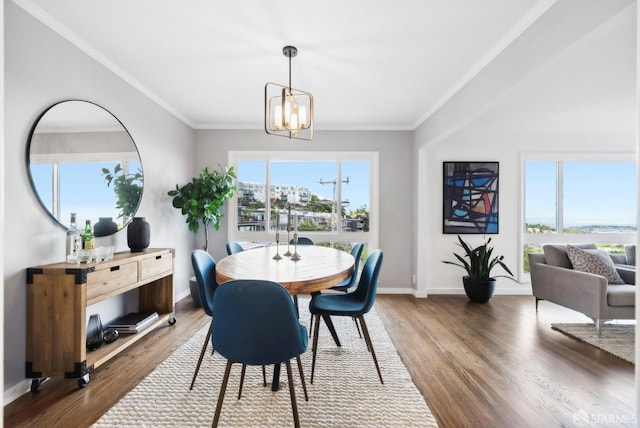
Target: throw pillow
[594, 261]
[556, 254]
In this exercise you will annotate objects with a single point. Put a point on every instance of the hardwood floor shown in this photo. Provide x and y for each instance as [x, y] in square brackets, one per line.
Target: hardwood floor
[500, 365]
[493, 365]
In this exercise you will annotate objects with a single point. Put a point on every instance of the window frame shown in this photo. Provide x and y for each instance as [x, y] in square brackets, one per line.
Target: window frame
[370, 238]
[560, 237]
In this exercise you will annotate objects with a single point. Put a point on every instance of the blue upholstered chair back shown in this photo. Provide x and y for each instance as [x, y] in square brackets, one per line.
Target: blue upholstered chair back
[233, 247]
[303, 240]
[204, 266]
[256, 323]
[356, 252]
[368, 285]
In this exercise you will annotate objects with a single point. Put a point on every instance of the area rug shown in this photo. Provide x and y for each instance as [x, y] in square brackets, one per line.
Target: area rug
[616, 339]
[346, 391]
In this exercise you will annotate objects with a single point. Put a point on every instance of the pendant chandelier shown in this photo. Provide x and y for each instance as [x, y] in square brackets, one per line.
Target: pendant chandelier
[288, 112]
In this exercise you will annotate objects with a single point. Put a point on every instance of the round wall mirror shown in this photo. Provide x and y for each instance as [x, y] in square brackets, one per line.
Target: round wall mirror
[81, 159]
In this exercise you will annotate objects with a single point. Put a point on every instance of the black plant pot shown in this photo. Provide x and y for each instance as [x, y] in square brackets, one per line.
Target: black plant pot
[478, 290]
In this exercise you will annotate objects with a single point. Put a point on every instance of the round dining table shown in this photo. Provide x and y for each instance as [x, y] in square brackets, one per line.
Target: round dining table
[317, 268]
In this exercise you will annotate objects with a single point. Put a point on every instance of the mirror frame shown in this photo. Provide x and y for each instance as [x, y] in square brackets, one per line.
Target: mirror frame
[28, 162]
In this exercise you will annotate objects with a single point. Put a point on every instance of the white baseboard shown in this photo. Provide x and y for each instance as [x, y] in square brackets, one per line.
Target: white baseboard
[182, 295]
[382, 290]
[16, 391]
[524, 291]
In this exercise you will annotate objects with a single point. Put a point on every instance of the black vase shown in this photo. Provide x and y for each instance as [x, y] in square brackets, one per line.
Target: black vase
[478, 290]
[104, 227]
[138, 234]
[95, 333]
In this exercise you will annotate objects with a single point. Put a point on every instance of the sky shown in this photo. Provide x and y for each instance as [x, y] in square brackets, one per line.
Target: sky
[83, 190]
[310, 174]
[603, 193]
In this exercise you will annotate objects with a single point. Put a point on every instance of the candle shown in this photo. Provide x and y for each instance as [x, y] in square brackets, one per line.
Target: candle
[295, 223]
[289, 220]
[277, 220]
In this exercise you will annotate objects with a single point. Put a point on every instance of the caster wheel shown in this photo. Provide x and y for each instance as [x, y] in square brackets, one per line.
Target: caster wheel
[35, 383]
[172, 321]
[84, 381]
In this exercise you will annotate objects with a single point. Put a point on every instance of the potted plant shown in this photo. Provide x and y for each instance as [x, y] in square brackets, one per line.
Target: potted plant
[201, 201]
[202, 198]
[478, 263]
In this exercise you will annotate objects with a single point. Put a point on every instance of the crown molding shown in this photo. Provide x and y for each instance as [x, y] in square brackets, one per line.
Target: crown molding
[102, 59]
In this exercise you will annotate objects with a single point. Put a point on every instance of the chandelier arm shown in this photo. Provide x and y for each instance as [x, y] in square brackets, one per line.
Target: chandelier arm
[289, 73]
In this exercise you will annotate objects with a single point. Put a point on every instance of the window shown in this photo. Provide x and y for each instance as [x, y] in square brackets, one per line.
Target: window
[579, 201]
[77, 186]
[330, 196]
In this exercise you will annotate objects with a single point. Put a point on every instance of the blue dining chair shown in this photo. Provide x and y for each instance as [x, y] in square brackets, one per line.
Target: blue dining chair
[234, 247]
[356, 252]
[353, 304]
[204, 266]
[256, 324]
[303, 240]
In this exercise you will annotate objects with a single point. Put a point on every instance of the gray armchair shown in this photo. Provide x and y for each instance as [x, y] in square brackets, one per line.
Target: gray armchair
[556, 281]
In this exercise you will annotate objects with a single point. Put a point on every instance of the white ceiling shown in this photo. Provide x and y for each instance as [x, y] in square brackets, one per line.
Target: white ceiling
[590, 87]
[370, 64]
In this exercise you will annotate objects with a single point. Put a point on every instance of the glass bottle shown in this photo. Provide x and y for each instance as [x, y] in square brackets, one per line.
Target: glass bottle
[73, 241]
[87, 239]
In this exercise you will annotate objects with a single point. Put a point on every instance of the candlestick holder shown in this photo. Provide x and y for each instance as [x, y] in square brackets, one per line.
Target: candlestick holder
[288, 253]
[295, 257]
[277, 256]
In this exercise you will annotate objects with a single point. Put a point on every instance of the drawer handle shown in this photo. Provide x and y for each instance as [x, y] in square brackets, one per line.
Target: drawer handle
[115, 268]
[158, 257]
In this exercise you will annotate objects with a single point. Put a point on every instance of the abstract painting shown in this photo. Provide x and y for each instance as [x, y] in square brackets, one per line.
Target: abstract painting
[470, 197]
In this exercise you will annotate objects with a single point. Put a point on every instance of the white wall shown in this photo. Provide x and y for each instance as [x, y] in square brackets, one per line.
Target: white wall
[396, 184]
[576, 95]
[506, 148]
[41, 68]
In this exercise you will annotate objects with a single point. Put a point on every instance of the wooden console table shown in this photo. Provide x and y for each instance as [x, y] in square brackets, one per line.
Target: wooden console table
[57, 299]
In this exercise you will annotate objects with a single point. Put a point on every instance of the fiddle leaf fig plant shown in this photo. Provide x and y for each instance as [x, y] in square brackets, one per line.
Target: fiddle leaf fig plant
[201, 199]
[128, 190]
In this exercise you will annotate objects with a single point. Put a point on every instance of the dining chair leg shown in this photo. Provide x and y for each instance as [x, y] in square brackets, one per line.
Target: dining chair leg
[295, 300]
[292, 393]
[304, 384]
[315, 344]
[310, 325]
[355, 320]
[244, 369]
[204, 349]
[223, 388]
[367, 338]
[264, 377]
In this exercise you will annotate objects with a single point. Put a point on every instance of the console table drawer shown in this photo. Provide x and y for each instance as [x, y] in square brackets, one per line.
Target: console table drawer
[105, 281]
[156, 265]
